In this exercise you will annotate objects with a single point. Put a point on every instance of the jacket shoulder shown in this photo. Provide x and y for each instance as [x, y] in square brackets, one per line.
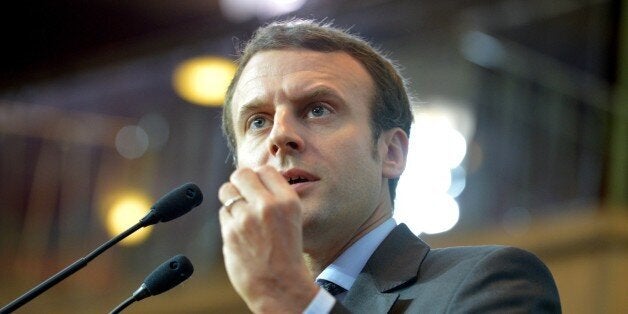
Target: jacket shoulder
[489, 278]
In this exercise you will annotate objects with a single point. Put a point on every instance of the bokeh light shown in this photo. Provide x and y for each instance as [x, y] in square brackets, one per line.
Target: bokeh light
[204, 80]
[426, 212]
[446, 145]
[125, 212]
[242, 10]
[434, 176]
[131, 142]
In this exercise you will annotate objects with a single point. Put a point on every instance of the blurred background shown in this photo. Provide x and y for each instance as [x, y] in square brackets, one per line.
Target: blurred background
[520, 137]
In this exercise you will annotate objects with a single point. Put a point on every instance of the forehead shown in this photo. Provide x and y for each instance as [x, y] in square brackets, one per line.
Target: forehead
[276, 73]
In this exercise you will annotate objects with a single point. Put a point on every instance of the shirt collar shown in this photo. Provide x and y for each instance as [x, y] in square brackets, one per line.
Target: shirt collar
[346, 268]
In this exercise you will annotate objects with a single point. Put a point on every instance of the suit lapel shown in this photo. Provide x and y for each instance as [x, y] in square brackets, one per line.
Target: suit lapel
[394, 264]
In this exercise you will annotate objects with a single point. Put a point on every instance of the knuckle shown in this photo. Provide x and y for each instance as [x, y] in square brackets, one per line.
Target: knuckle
[247, 222]
[242, 175]
[229, 235]
[266, 169]
[224, 188]
[265, 204]
[270, 207]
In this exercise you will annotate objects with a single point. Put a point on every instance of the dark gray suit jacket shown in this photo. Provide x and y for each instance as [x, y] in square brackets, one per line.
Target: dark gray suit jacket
[405, 276]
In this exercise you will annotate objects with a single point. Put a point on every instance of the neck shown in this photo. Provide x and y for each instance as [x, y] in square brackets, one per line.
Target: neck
[318, 260]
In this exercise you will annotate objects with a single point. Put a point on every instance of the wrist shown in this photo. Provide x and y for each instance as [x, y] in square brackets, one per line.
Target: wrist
[294, 299]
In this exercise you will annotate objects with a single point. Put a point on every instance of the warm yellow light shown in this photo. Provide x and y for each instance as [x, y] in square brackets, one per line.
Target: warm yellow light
[126, 212]
[204, 80]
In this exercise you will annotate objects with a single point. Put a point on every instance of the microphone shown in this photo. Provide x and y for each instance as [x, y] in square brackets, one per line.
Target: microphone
[170, 206]
[165, 277]
[175, 204]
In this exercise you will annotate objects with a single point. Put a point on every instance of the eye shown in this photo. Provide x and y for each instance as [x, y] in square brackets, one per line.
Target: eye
[318, 111]
[257, 122]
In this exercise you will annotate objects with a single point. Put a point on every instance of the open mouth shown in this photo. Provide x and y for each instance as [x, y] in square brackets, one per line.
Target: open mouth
[296, 180]
[295, 176]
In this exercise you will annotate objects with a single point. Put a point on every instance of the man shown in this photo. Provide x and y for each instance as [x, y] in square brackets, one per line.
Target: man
[318, 124]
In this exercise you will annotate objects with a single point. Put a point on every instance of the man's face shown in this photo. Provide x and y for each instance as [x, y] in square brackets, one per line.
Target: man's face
[307, 114]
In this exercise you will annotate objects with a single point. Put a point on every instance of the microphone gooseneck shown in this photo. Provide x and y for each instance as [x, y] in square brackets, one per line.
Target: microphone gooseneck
[172, 205]
[165, 277]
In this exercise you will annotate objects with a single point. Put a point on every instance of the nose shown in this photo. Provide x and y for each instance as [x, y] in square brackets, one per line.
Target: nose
[284, 137]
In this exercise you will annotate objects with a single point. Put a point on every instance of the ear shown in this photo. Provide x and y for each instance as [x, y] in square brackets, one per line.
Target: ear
[393, 152]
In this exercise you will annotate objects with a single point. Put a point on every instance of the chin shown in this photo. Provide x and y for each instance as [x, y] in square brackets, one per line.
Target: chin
[313, 225]
[316, 228]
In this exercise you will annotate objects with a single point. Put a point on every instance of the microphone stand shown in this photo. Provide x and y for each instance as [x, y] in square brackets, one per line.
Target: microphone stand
[172, 205]
[123, 305]
[74, 267]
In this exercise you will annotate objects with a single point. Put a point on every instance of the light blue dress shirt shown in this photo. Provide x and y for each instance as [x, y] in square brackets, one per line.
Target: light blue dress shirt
[346, 268]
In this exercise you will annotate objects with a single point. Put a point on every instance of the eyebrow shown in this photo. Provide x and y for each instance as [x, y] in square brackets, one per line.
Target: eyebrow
[246, 109]
[317, 92]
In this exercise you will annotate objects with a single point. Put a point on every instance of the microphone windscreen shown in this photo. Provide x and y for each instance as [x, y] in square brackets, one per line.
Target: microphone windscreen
[177, 202]
[169, 274]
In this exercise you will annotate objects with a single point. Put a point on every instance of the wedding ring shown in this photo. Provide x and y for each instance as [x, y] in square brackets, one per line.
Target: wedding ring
[232, 201]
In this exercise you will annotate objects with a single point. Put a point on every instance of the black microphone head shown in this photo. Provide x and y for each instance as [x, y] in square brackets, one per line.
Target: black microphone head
[168, 275]
[176, 203]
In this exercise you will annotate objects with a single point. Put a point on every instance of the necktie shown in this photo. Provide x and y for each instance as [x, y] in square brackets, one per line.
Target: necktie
[331, 287]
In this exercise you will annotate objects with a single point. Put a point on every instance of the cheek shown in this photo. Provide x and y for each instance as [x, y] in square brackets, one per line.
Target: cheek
[354, 152]
[360, 183]
[249, 157]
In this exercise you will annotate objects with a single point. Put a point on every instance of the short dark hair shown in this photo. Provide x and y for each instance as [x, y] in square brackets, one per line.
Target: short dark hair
[391, 104]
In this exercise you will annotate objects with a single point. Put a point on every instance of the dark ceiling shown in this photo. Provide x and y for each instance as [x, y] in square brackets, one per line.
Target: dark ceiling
[43, 38]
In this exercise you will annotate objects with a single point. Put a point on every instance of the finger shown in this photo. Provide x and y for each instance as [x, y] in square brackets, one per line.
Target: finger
[275, 182]
[225, 218]
[249, 184]
[227, 191]
[228, 228]
[229, 196]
